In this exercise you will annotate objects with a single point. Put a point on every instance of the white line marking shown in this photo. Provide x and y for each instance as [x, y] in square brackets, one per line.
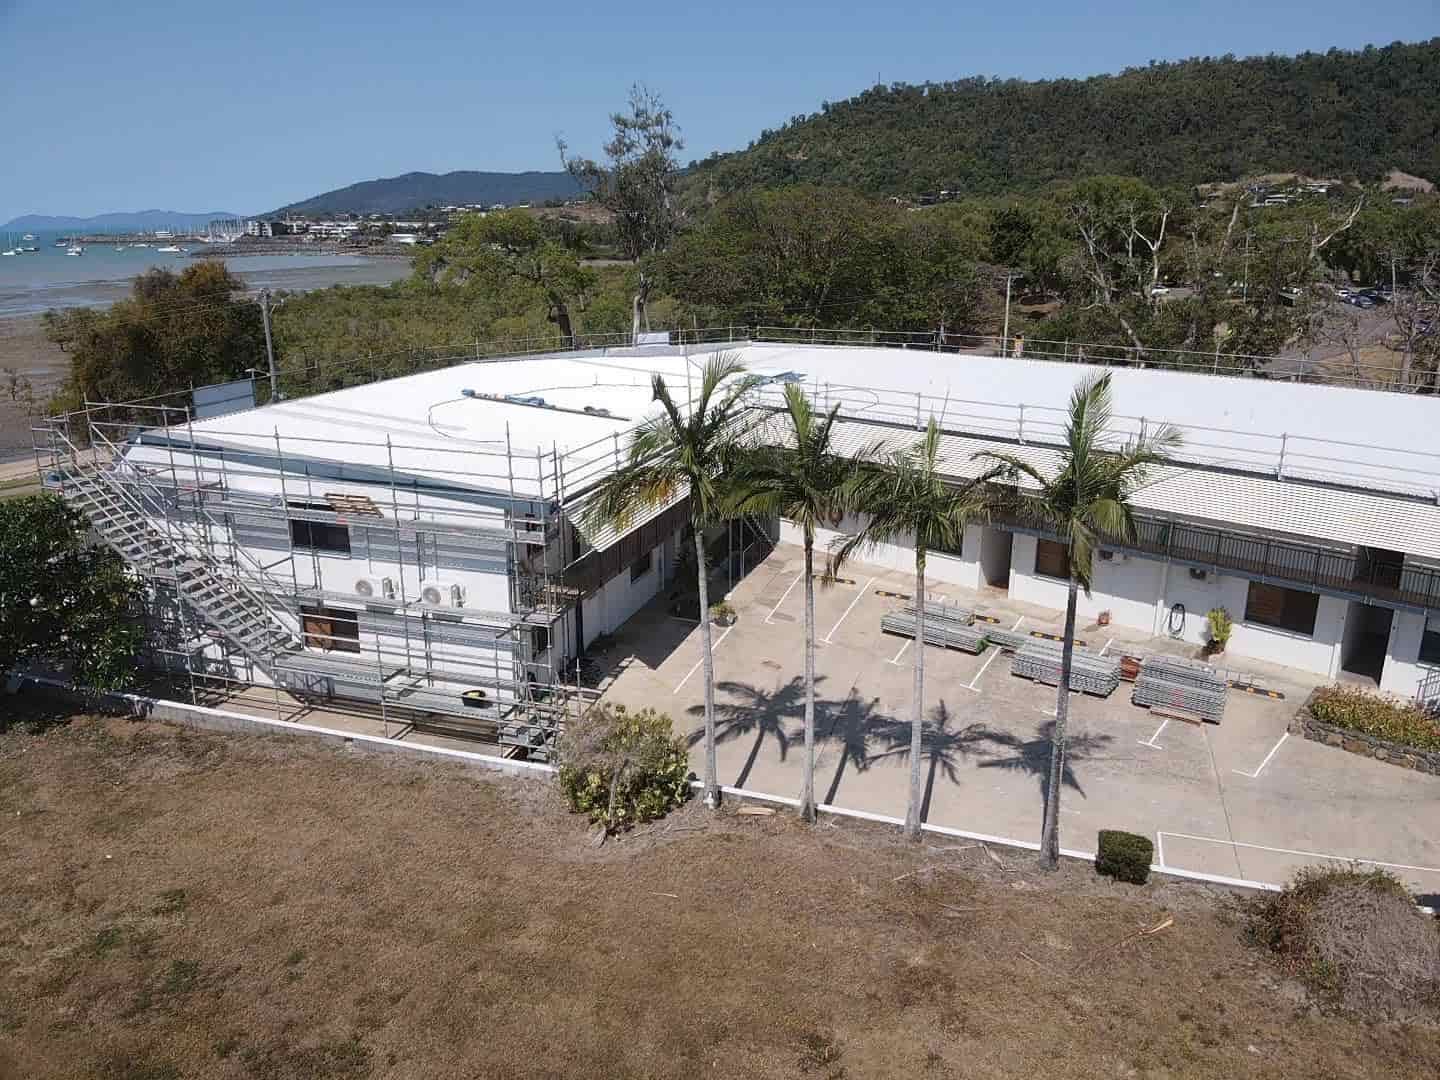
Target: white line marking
[1106, 647]
[858, 597]
[784, 594]
[1151, 742]
[1305, 854]
[990, 659]
[1160, 849]
[720, 641]
[1271, 754]
[908, 643]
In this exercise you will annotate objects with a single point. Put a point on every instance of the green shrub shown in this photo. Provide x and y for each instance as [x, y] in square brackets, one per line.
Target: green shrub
[1221, 627]
[622, 767]
[1124, 856]
[1370, 714]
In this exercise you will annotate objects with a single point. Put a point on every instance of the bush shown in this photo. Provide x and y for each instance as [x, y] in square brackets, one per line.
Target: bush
[1124, 856]
[1370, 714]
[1221, 627]
[1354, 937]
[621, 767]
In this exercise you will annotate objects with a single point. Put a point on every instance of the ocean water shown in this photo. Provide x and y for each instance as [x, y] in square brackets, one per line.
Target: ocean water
[35, 282]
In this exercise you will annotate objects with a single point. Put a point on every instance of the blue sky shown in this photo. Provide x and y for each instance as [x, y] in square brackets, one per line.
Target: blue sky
[201, 106]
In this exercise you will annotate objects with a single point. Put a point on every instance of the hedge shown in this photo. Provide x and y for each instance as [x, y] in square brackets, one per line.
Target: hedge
[1124, 856]
[1369, 714]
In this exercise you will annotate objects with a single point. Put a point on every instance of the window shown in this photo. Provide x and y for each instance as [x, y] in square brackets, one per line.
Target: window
[330, 629]
[1430, 640]
[318, 535]
[1052, 560]
[1282, 608]
[641, 566]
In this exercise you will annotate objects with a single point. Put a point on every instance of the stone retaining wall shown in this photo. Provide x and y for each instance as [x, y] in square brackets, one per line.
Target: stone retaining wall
[1355, 742]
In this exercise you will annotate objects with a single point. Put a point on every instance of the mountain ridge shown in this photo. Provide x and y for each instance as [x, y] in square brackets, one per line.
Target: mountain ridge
[1350, 112]
[413, 190]
[123, 219]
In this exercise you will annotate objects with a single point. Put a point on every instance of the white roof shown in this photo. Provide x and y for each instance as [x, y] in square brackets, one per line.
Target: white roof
[1357, 444]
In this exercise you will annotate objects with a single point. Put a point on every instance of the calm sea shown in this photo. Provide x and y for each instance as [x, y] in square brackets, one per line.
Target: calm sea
[35, 282]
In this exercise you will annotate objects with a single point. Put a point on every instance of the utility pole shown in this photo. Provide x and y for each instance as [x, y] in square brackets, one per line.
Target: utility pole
[269, 346]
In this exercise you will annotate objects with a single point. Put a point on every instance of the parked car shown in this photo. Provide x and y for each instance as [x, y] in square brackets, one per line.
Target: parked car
[1160, 290]
[1363, 302]
[1344, 294]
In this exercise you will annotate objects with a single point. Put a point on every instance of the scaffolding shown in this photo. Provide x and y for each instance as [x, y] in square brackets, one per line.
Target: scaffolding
[228, 533]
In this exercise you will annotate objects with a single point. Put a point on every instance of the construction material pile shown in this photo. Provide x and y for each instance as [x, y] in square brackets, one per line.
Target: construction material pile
[1176, 684]
[1090, 673]
[942, 632]
[1009, 640]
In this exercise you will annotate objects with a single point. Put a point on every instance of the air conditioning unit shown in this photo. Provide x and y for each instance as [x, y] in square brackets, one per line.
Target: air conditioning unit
[1196, 574]
[375, 588]
[442, 594]
[1109, 556]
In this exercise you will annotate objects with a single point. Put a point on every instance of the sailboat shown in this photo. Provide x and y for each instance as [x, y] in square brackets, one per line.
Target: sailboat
[168, 249]
[75, 249]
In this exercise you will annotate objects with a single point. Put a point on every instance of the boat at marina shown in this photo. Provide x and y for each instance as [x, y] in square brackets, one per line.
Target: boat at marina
[169, 249]
[74, 249]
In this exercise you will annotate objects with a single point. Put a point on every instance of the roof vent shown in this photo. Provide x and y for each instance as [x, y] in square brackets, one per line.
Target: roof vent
[596, 410]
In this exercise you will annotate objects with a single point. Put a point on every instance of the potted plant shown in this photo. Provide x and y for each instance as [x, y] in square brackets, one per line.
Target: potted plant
[475, 699]
[722, 614]
[1220, 626]
[1103, 619]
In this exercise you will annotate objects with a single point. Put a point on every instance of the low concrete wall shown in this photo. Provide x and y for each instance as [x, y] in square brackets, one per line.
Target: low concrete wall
[201, 718]
[1355, 742]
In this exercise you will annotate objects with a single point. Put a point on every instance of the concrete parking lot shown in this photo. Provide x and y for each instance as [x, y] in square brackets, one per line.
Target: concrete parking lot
[1240, 800]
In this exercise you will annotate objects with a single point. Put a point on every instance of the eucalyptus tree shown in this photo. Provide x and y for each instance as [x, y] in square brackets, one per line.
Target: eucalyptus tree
[904, 496]
[1086, 500]
[683, 452]
[803, 480]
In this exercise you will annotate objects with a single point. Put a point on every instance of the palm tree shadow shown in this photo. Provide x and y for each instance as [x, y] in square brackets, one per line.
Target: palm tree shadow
[942, 748]
[856, 726]
[766, 714]
[1032, 756]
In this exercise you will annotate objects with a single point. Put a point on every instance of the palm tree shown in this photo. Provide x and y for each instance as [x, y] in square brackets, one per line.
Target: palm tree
[1087, 499]
[905, 498]
[804, 481]
[674, 454]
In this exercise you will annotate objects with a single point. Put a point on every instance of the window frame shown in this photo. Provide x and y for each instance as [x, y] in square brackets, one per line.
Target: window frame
[320, 537]
[1312, 601]
[327, 640]
[1064, 556]
[1433, 636]
[648, 559]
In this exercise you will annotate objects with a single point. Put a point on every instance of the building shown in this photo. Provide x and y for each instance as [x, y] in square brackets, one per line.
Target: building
[422, 543]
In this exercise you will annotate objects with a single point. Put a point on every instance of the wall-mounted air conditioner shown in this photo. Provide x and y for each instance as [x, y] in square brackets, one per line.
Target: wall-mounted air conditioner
[1106, 555]
[439, 594]
[375, 588]
[1196, 574]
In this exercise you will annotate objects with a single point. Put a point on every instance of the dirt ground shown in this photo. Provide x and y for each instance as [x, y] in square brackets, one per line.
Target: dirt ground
[183, 905]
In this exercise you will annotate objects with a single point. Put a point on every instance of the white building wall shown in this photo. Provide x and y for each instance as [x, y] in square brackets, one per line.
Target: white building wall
[1403, 668]
[1139, 593]
[605, 610]
[962, 569]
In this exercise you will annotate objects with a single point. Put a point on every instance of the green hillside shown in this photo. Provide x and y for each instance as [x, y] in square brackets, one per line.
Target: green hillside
[1337, 114]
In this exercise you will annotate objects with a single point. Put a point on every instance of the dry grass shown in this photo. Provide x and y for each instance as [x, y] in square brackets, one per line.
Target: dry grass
[180, 905]
[1355, 937]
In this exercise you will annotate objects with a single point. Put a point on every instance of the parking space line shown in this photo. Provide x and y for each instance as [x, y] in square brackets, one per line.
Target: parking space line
[1292, 851]
[786, 593]
[1106, 647]
[908, 643]
[990, 659]
[860, 595]
[719, 641]
[1151, 741]
[1271, 754]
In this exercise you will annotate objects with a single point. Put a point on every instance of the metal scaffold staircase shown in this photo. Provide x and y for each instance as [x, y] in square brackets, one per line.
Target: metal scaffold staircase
[219, 598]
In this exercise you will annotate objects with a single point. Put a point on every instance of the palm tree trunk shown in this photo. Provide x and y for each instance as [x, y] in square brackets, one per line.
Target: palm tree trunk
[917, 705]
[712, 771]
[1050, 830]
[807, 783]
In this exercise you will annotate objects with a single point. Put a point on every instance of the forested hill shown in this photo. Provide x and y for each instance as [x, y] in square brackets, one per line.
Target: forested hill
[1337, 113]
[397, 194]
